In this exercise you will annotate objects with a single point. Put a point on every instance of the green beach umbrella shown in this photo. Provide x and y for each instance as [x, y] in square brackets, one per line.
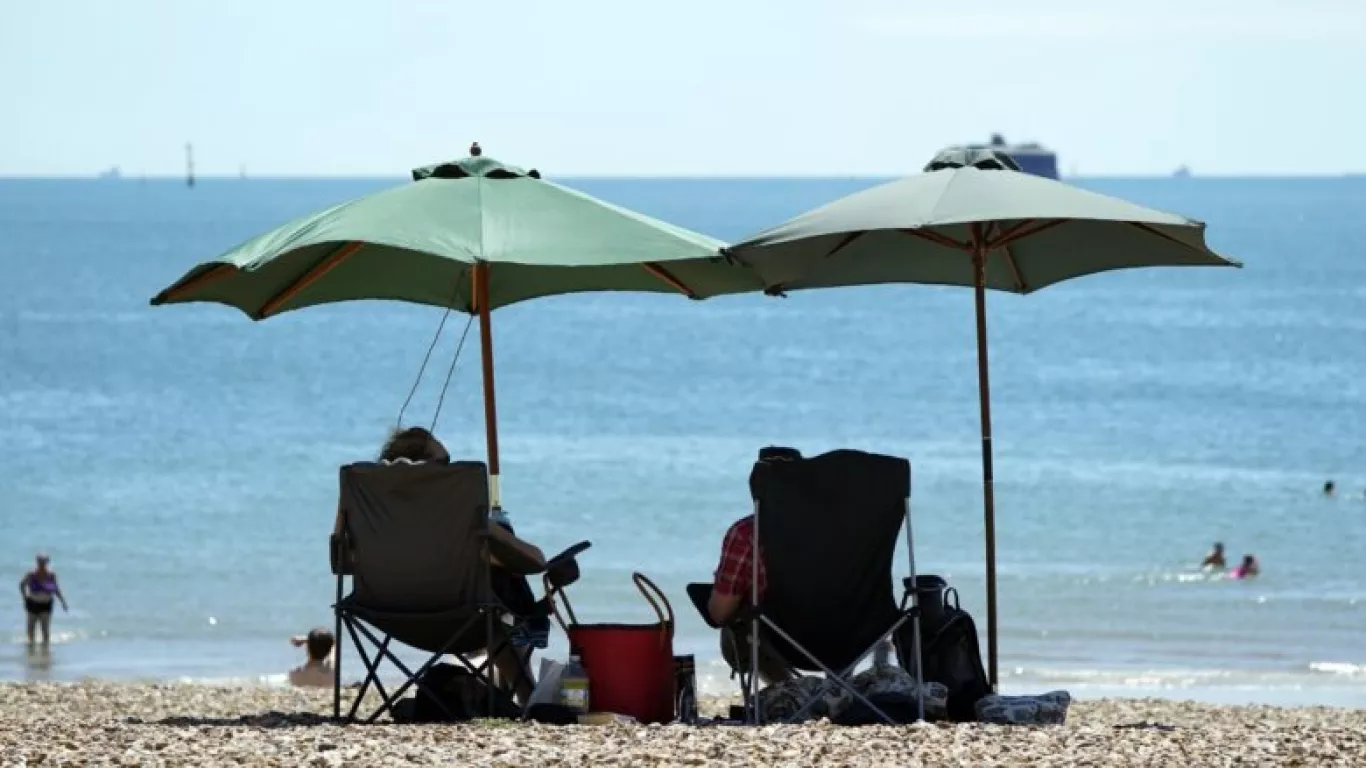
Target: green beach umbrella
[471, 235]
[971, 219]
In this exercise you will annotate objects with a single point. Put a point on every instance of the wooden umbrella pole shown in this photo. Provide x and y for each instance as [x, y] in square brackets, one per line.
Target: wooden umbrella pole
[979, 260]
[480, 278]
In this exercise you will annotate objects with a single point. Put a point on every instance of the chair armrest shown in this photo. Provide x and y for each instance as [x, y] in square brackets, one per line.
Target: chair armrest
[745, 615]
[700, 595]
[563, 569]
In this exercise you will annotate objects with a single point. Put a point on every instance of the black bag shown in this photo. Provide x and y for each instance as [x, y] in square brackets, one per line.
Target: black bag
[449, 693]
[902, 708]
[952, 657]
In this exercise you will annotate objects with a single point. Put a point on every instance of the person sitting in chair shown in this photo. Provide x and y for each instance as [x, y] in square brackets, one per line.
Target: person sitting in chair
[732, 588]
[416, 445]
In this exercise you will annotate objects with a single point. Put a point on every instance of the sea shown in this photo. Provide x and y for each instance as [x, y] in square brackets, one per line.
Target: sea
[180, 464]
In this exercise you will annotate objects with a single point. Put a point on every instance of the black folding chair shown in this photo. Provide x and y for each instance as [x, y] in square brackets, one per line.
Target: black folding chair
[826, 528]
[414, 538]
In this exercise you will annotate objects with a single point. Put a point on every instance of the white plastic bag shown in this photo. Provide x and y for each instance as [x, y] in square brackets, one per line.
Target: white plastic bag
[547, 689]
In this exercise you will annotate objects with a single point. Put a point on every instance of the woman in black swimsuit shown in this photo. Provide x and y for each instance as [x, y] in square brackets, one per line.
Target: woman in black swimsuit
[38, 588]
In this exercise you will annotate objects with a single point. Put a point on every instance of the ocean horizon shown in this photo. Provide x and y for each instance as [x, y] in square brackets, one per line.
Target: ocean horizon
[179, 463]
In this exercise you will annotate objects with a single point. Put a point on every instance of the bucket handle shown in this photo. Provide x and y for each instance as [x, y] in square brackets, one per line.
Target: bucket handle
[642, 581]
[951, 591]
[666, 615]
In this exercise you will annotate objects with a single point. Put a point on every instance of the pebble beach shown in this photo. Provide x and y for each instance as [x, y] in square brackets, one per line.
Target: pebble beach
[98, 723]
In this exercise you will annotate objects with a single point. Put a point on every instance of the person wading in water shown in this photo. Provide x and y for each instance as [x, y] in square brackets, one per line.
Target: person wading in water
[39, 588]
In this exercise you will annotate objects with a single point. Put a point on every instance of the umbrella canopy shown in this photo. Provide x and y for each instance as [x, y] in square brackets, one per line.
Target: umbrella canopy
[470, 235]
[417, 242]
[971, 219]
[920, 230]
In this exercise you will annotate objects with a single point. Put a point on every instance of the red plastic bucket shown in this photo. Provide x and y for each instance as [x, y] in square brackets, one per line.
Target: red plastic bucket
[630, 666]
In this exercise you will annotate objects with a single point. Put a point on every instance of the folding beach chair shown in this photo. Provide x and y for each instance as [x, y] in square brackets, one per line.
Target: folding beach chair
[827, 528]
[414, 539]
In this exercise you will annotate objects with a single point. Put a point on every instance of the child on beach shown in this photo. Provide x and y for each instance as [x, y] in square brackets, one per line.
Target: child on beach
[317, 671]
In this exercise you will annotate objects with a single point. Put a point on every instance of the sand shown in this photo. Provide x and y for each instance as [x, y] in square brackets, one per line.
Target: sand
[97, 723]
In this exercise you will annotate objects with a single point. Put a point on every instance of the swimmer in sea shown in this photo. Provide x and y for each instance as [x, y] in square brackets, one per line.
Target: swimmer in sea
[318, 670]
[39, 588]
[1246, 569]
[1215, 559]
[1329, 487]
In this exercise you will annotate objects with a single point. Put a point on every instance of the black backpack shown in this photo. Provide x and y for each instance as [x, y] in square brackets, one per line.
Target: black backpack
[448, 693]
[952, 657]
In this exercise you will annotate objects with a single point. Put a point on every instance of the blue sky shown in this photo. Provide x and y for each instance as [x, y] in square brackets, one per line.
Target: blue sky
[625, 87]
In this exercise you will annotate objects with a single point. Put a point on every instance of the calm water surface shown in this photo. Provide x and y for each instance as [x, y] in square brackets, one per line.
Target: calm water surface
[180, 463]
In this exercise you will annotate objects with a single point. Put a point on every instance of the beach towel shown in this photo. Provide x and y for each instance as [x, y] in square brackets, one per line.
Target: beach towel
[1045, 709]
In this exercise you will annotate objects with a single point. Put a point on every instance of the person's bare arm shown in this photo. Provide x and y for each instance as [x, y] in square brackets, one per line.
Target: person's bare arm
[507, 539]
[57, 590]
[23, 587]
[722, 607]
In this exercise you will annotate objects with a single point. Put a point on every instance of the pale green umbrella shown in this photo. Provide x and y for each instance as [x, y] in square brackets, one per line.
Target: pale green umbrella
[971, 219]
[471, 235]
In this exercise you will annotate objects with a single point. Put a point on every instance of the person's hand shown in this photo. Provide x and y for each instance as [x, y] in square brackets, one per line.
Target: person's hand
[297, 641]
[64, 609]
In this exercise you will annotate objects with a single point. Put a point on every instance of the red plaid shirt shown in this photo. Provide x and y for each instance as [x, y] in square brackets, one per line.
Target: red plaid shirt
[734, 572]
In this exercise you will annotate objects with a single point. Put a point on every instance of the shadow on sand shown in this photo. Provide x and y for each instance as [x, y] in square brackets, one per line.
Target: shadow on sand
[262, 720]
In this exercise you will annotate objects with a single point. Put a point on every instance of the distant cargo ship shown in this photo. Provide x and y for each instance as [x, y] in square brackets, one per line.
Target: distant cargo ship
[1031, 157]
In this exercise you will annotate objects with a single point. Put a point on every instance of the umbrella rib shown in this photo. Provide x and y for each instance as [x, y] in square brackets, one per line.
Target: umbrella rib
[1020, 232]
[668, 277]
[213, 274]
[1150, 230]
[845, 242]
[1009, 234]
[1020, 285]
[935, 237]
[324, 265]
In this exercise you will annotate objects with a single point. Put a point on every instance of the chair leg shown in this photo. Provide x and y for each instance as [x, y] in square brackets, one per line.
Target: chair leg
[839, 679]
[743, 671]
[915, 599]
[371, 668]
[381, 653]
[337, 658]
[415, 678]
[388, 701]
[488, 644]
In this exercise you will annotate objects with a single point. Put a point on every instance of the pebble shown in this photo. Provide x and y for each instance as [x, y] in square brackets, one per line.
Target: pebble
[198, 725]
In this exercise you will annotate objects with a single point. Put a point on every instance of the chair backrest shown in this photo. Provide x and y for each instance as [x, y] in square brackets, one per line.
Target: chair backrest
[828, 527]
[417, 535]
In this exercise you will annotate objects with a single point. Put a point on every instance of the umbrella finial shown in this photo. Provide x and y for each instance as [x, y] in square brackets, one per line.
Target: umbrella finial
[476, 150]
